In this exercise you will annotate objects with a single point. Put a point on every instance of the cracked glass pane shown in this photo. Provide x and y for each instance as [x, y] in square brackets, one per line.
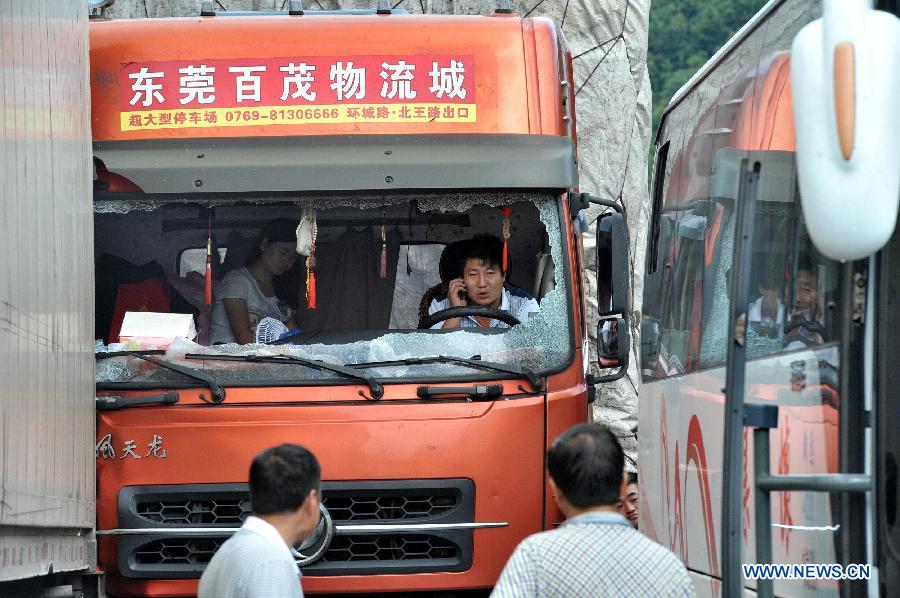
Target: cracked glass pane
[411, 231]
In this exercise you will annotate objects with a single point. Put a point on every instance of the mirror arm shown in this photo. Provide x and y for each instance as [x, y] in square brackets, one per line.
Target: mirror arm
[613, 377]
[606, 202]
[579, 201]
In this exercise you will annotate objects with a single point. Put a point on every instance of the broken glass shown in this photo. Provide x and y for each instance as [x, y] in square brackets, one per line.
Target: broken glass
[541, 343]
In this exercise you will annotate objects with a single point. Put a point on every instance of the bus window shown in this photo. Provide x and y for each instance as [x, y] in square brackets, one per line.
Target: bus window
[790, 281]
[681, 242]
[659, 183]
[716, 304]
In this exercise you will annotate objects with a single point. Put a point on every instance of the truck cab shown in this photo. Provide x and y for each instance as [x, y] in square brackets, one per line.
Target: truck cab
[388, 138]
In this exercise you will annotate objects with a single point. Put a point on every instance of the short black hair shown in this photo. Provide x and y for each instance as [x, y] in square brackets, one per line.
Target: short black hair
[586, 463]
[282, 230]
[486, 248]
[453, 260]
[632, 477]
[281, 478]
[279, 230]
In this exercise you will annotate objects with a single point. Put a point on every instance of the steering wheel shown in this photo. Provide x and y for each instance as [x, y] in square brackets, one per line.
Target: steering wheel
[807, 325]
[458, 312]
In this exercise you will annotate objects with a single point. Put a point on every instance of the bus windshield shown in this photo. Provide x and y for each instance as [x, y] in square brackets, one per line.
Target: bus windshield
[381, 265]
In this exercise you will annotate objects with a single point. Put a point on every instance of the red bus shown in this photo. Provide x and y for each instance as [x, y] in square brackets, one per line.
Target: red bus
[769, 325]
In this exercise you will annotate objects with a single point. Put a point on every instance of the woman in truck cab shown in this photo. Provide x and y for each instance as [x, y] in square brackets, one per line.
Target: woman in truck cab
[248, 294]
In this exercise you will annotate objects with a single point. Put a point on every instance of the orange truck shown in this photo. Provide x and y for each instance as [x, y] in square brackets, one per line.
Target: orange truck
[390, 136]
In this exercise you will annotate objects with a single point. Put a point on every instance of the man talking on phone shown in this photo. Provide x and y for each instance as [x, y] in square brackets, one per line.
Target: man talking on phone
[482, 283]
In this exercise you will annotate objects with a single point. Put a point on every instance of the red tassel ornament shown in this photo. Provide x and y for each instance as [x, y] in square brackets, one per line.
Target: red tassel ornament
[311, 291]
[311, 281]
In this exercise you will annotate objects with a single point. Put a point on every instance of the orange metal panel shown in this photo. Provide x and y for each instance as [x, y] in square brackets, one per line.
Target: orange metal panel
[565, 408]
[353, 442]
[547, 67]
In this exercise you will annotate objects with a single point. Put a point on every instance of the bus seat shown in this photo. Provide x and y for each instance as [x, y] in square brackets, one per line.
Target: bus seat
[448, 269]
[192, 288]
[427, 298]
[121, 286]
[416, 273]
[151, 294]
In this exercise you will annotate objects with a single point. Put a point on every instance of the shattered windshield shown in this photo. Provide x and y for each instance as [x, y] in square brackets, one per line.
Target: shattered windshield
[370, 272]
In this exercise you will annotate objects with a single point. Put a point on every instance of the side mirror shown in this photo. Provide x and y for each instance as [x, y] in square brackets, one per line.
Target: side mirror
[612, 265]
[845, 81]
[613, 346]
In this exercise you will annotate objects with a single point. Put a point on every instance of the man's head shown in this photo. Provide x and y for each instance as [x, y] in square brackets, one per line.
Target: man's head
[284, 484]
[586, 468]
[482, 272]
[807, 289]
[628, 502]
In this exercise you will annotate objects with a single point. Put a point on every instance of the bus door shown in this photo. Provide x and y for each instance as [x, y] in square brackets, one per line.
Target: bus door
[794, 348]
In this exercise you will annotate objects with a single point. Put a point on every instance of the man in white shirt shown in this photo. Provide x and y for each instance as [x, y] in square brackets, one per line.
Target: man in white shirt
[482, 283]
[256, 562]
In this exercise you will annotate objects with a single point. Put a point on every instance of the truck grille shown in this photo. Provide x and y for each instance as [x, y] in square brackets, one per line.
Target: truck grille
[343, 506]
[388, 508]
[394, 547]
[178, 551]
[195, 512]
[399, 502]
[399, 547]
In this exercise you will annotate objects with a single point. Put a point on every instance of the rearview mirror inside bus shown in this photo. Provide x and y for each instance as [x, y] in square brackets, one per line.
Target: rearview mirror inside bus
[612, 265]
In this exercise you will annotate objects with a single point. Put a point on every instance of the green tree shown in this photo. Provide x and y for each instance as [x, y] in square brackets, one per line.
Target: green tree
[683, 35]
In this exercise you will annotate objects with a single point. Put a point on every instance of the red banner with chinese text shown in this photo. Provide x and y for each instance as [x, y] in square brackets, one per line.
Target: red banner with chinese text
[297, 90]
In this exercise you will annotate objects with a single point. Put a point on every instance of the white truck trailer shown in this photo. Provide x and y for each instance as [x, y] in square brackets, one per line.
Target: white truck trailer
[47, 487]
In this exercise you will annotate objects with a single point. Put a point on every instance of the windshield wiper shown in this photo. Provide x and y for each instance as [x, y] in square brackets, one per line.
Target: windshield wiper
[114, 403]
[375, 388]
[474, 362]
[217, 392]
[128, 353]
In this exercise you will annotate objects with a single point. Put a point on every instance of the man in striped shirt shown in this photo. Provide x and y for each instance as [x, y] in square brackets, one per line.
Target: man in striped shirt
[596, 552]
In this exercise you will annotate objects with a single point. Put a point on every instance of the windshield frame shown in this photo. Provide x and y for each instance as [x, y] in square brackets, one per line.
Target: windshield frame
[475, 376]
